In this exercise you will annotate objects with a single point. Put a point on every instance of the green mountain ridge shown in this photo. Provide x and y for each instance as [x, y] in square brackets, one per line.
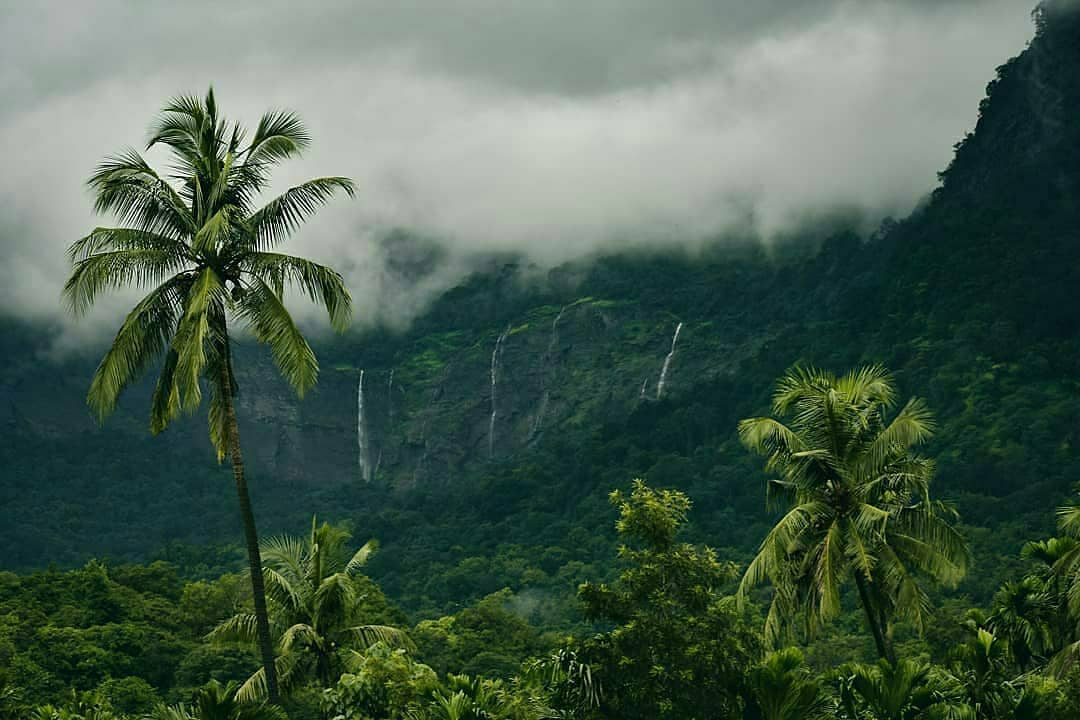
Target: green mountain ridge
[970, 301]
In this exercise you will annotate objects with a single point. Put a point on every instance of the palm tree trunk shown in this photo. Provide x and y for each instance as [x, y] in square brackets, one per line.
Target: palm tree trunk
[884, 647]
[251, 539]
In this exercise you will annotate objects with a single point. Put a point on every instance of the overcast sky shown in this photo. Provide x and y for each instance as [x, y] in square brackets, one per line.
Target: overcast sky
[552, 127]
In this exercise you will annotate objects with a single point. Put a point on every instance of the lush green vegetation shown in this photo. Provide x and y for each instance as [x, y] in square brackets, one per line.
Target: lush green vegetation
[198, 237]
[668, 637]
[504, 594]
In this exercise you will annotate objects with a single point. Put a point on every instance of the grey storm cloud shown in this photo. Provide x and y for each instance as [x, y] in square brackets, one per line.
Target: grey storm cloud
[551, 128]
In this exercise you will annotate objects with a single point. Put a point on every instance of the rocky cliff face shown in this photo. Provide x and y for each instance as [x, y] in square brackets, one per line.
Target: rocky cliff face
[450, 402]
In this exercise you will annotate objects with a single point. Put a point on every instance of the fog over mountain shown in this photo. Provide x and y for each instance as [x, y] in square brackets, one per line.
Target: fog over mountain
[551, 129]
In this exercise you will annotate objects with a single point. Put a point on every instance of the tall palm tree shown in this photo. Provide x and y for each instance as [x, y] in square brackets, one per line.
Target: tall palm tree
[858, 504]
[199, 238]
[315, 610]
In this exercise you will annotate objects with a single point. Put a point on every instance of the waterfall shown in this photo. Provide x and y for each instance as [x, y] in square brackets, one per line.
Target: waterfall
[496, 354]
[362, 433]
[555, 331]
[390, 398]
[541, 413]
[667, 363]
[644, 387]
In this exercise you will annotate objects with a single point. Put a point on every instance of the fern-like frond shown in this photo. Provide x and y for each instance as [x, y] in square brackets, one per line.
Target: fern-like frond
[279, 135]
[128, 187]
[364, 636]
[192, 335]
[361, 556]
[268, 319]
[239, 628]
[142, 337]
[117, 269]
[278, 219]
[322, 285]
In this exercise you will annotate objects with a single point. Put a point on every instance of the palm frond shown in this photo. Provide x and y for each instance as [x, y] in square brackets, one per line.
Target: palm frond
[214, 232]
[265, 314]
[117, 269]
[239, 628]
[364, 636]
[279, 135]
[282, 592]
[253, 690]
[286, 555]
[128, 187]
[827, 573]
[360, 558]
[767, 564]
[300, 635]
[107, 239]
[867, 385]
[912, 426]
[141, 338]
[319, 283]
[192, 333]
[767, 436]
[278, 219]
[1069, 520]
[335, 599]
[217, 417]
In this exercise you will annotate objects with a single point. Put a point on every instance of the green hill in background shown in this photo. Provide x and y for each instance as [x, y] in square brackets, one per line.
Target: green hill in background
[971, 301]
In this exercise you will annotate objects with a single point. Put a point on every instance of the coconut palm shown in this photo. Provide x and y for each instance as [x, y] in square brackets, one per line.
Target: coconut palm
[858, 504]
[315, 610]
[200, 239]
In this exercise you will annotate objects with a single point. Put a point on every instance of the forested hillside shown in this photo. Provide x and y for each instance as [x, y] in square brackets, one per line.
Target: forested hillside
[968, 301]
[480, 445]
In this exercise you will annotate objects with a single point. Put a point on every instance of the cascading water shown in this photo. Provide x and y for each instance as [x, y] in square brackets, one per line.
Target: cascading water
[555, 331]
[363, 461]
[496, 355]
[644, 387]
[545, 398]
[390, 397]
[667, 363]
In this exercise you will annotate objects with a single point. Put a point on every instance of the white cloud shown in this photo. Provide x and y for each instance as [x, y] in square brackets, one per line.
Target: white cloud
[551, 129]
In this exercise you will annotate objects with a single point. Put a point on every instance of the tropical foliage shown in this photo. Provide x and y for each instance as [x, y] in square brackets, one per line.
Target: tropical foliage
[200, 239]
[316, 609]
[857, 502]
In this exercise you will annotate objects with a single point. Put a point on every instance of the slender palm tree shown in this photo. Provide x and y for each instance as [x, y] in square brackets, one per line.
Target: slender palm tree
[200, 239]
[315, 610]
[858, 504]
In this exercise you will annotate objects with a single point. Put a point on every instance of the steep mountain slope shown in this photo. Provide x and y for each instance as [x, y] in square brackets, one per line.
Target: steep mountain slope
[494, 427]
